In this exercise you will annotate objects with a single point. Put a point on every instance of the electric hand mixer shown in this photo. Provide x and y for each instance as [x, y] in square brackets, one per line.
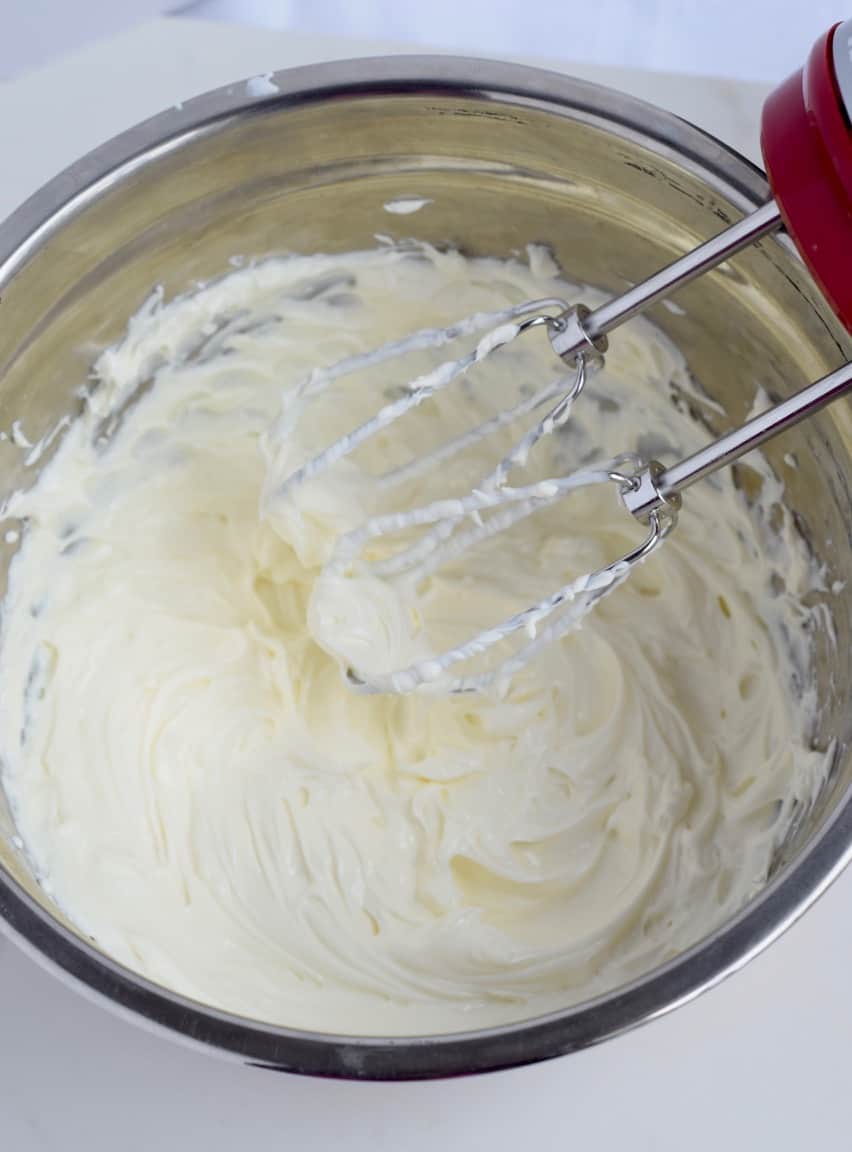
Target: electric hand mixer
[806, 140]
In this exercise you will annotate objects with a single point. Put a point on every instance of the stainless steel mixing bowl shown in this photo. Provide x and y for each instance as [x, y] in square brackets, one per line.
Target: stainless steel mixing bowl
[508, 156]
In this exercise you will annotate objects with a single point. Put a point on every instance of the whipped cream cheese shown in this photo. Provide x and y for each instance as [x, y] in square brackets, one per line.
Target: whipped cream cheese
[204, 796]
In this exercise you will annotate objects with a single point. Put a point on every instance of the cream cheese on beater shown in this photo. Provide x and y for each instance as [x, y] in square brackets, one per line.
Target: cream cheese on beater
[205, 797]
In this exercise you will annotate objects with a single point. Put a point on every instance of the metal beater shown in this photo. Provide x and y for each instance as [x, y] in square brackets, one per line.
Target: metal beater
[807, 149]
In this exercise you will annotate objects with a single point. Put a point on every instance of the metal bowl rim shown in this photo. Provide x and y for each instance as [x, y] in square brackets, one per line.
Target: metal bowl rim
[777, 906]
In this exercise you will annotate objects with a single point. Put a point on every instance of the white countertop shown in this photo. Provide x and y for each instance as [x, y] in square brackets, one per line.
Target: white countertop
[759, 1062]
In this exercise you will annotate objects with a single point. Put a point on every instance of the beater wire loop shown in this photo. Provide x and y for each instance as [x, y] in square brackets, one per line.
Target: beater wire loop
[450, 526]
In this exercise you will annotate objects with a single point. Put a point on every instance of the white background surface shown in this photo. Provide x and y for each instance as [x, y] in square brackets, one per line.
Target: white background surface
[761, 1062]
[745, 39]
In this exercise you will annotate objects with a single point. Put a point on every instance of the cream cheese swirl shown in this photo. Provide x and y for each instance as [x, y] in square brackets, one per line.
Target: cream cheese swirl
[205, 797]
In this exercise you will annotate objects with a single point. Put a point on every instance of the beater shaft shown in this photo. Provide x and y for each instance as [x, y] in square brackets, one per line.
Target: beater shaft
[655, 486]
[581, 330]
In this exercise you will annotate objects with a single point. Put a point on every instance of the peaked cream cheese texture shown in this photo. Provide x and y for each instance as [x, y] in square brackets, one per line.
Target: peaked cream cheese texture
[205, 797]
